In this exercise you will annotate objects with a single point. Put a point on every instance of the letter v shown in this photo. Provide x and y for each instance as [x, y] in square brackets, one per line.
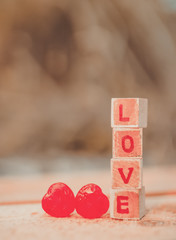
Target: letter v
[125, 179]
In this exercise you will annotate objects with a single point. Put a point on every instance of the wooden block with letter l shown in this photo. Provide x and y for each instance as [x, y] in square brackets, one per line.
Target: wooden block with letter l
[129, 112]
[127, 203]
[126, 173]
[127, 142]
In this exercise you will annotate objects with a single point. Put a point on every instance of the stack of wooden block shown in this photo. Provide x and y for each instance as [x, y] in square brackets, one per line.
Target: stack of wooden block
[127, 196]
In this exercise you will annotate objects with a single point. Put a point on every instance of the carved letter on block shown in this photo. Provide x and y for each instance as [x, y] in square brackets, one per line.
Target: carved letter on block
[127, 204]
[129, 112]
[127, 142]
[126, 173]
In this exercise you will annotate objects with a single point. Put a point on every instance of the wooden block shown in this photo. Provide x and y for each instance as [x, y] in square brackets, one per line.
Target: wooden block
[127, 204]
[126, 173]
[127, 142]
[129, 112]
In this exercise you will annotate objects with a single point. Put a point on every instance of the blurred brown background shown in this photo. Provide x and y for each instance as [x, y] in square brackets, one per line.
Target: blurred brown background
[61, 61]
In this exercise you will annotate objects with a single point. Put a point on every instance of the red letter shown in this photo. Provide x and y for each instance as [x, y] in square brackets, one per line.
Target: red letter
[119, 204]
[121, 118]
[130, 149]
[126, 180]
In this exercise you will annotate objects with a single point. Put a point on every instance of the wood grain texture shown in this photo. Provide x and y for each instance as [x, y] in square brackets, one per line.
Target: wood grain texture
[126, 173]
[27, 219]
[129, 112]
[127, 142]
[127, 203]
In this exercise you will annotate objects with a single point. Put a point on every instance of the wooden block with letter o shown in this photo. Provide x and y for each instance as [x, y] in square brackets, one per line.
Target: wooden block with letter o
[126, 173]
[127, 203]
[127, 142]
[129, 112]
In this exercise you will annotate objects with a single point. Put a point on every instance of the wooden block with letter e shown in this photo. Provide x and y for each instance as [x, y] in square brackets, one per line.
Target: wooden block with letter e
[127, 142]
[129, 112]
[126, 173]
[127, 203]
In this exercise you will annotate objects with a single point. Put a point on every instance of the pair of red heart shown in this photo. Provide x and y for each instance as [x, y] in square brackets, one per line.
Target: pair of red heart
[90, 202]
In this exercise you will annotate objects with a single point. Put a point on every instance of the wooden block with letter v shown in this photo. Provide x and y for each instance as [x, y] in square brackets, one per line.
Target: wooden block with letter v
[127, 142]
[129, 112]
[126, 173]
[127, 203]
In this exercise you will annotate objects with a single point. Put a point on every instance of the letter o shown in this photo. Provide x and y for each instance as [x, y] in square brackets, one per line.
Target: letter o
[130, 149]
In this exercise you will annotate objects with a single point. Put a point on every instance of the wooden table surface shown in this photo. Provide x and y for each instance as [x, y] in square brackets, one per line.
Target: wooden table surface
[21, 215]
